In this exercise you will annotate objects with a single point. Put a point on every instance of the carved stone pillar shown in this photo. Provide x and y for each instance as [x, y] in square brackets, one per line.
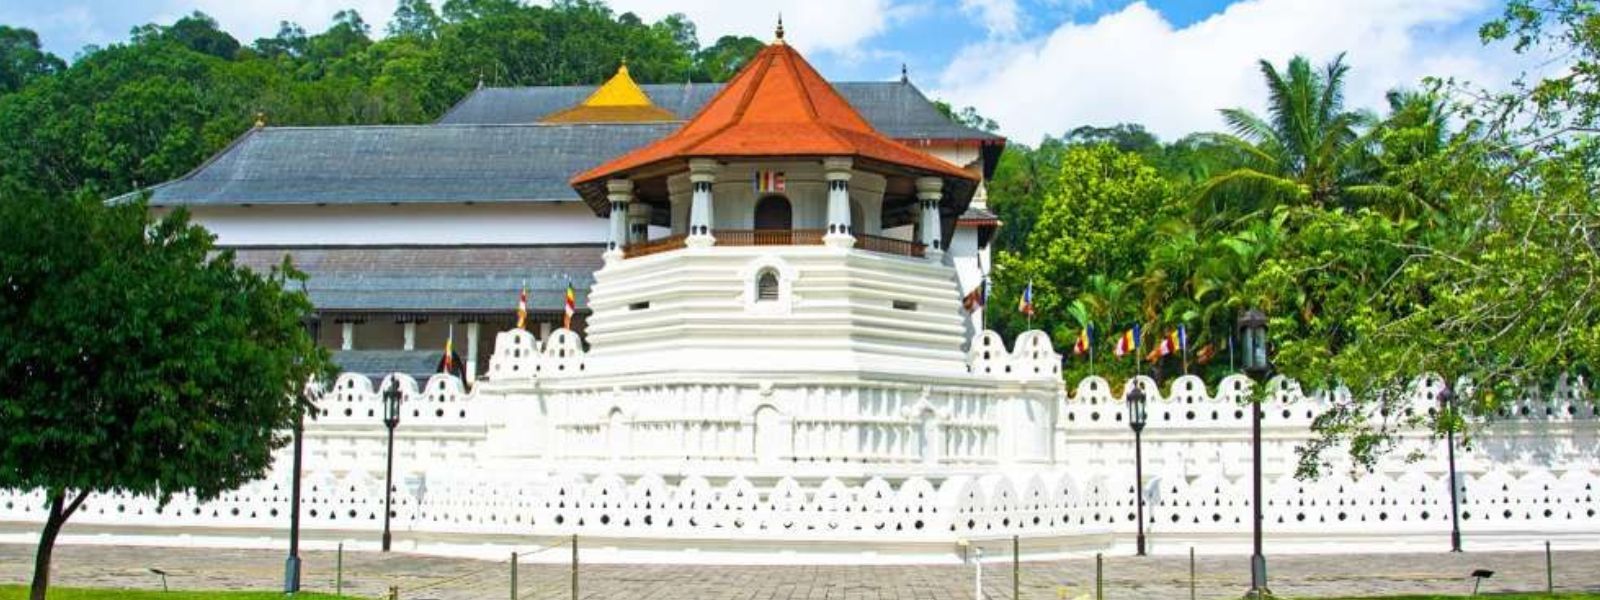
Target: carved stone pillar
[841, 232]
[702, 173]
[929, 191]
[620, 192]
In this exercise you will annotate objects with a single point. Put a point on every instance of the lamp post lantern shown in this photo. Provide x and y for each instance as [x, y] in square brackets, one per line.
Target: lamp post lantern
[1136, 420]
[391, 419]
[1447, 411]
[1252, 338]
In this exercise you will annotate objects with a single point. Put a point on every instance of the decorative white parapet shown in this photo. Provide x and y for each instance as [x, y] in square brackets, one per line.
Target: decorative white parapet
[520, 357]
[1034, 357]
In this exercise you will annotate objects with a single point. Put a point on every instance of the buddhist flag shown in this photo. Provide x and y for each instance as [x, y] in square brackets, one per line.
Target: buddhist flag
[450, 364]
[572, 307]
[1084, 341]
[447, 364]
[769, 181]
[522, 308]
[1025, 304]
[976, 298]
[1128, 342]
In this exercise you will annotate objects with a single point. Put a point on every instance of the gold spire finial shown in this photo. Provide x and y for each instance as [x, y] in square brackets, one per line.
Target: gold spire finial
[261, 119]
[780, 28]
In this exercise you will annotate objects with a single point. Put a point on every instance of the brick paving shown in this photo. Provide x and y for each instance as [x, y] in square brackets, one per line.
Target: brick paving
[369, 574]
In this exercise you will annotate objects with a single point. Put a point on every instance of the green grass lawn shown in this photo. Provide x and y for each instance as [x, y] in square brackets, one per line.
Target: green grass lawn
[20, 592]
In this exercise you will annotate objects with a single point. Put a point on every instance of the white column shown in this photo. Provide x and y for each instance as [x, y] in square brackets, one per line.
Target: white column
[347, 335]
[929, 192]
[544, 330]
[638, 222]
[702, 173]
[620, 192]
[841, 233]
[411, 335]
[472, 352]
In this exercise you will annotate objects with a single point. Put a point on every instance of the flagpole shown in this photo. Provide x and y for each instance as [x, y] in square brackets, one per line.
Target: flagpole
[1183, 336]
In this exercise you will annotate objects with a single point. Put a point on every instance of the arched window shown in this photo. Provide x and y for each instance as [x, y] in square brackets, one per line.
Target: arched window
[773, 212]
[767, 286]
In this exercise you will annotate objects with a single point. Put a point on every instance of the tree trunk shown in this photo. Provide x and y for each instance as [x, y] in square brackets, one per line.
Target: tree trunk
[60, 511]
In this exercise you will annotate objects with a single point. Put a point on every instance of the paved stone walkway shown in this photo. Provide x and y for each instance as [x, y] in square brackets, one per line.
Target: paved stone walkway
[1164, 578]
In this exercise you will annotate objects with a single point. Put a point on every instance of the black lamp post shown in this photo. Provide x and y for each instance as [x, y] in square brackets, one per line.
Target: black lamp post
[391, 419]
[1447, 411]
[1136, 420]
[1252, 338]
[291, 565]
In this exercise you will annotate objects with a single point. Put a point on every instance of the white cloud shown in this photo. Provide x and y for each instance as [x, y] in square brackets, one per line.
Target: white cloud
[999, 17]
[1134, 66]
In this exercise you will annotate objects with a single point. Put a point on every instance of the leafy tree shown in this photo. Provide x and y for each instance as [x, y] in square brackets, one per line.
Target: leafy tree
[414, 18]
[1501, 298]
[968, 116]
[290, 42]
[22, 60]
[198, 32]
[722, 60]
[1089, 239]
[1127, 137]
[136, 358]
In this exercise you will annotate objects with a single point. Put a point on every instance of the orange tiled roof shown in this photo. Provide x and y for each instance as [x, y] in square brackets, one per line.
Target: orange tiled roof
[777, 106]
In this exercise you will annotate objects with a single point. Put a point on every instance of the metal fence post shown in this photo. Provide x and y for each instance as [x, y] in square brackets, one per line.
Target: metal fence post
[1016, 567]
[1549, 570]
[1099, 577]
[977, 574]
[513, 576]
[574, 566]
[338, 571]
[1191, 573]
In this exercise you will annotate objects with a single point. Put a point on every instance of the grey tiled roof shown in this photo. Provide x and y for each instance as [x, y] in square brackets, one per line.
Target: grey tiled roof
[978, 213]
[419, 364]
[408, 163]
[897, 109]
[437, 279]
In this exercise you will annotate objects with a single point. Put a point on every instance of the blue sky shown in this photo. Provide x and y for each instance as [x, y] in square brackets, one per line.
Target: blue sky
[1037, 66]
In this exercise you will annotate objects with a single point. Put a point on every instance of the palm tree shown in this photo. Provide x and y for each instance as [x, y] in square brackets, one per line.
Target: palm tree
[1307, 150]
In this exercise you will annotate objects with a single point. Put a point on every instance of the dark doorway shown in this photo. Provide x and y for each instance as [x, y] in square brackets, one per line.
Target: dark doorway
[774, 213]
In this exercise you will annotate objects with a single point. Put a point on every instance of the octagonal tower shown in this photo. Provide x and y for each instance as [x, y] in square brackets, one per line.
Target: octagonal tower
[777, 231]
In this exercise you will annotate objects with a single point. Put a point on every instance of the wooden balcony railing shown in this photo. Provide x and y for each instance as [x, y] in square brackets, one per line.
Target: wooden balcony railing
[655, 246]
[768, 237]
[775, 237]
[885, 245]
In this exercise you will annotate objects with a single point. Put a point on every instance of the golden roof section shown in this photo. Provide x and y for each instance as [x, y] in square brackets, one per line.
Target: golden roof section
[619, 100]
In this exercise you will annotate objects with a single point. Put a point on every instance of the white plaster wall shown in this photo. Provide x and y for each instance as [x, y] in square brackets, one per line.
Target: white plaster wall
[734, 198]
[521, 223]
[969, 260]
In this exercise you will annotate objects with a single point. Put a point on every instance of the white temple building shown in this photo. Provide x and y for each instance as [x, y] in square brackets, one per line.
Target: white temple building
[775, 365]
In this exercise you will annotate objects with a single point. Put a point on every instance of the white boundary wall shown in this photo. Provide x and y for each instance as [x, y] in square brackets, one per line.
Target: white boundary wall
[863, 471]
